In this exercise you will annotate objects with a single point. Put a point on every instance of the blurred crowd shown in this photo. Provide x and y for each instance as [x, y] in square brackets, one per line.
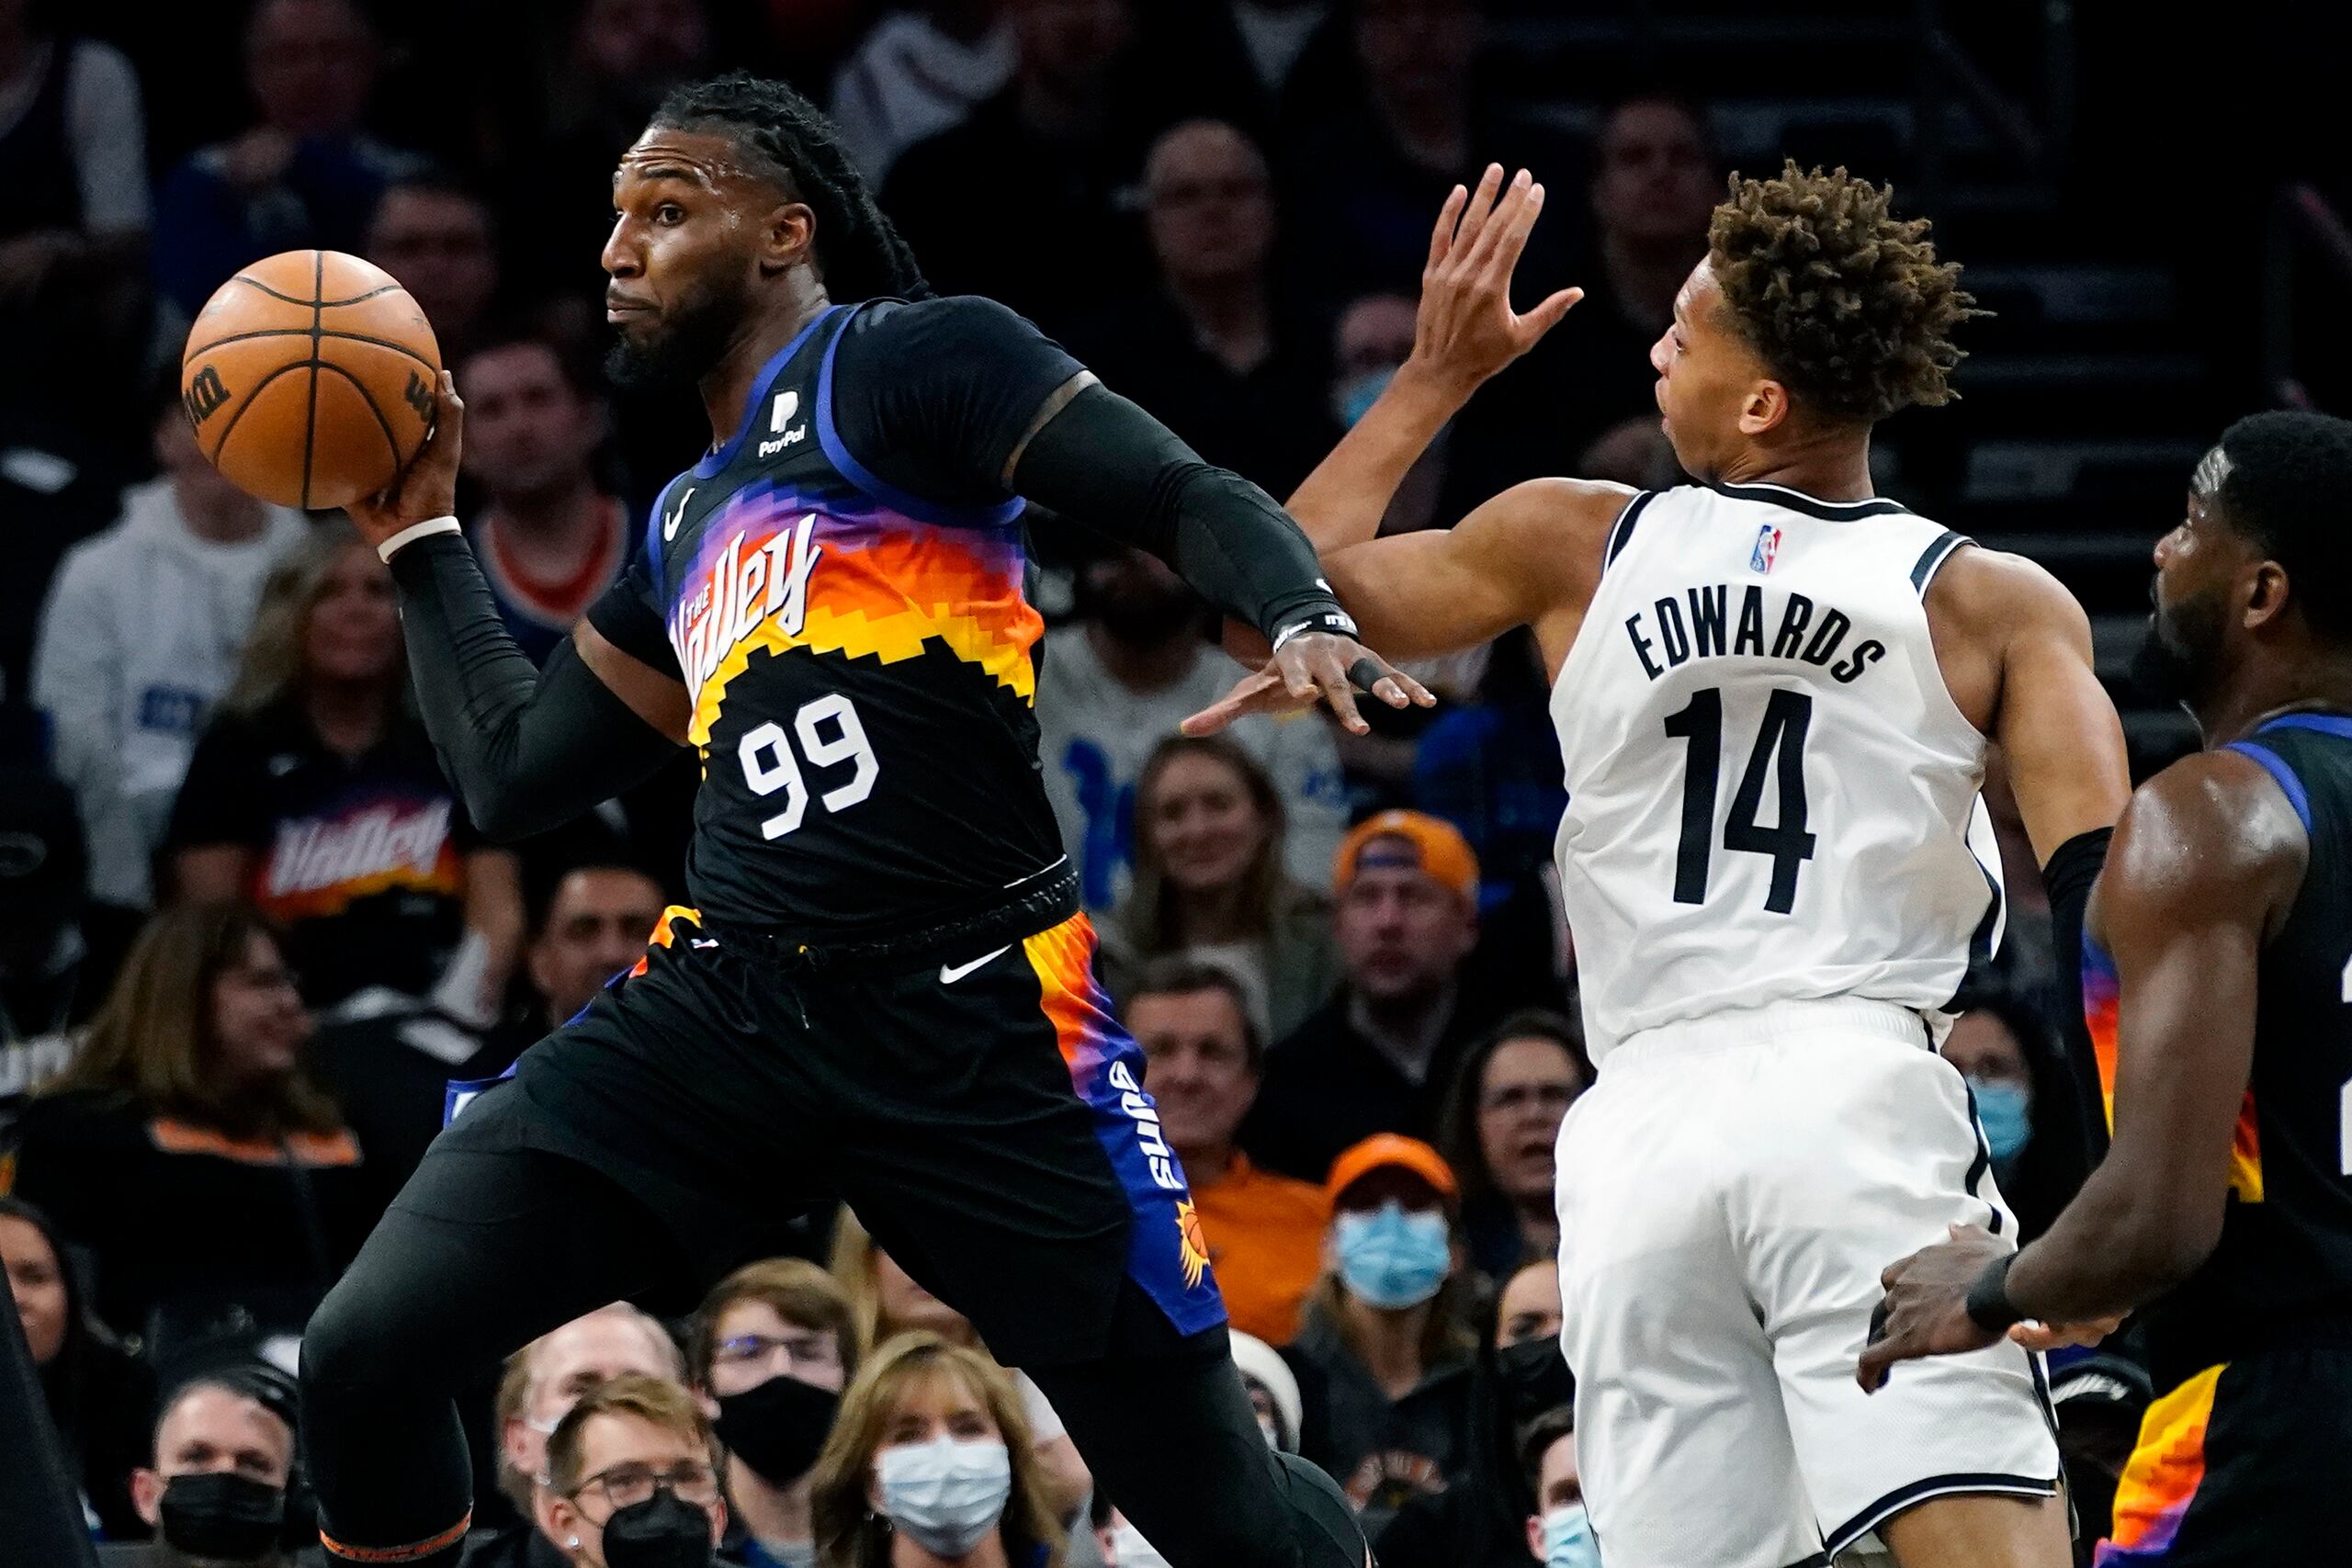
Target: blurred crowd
[247, 935]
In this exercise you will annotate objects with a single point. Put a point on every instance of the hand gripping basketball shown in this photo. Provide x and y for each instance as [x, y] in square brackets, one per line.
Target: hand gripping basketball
[427, 488]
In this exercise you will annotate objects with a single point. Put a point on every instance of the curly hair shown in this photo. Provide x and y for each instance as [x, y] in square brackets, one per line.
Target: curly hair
[859, 250]
[1846, 303]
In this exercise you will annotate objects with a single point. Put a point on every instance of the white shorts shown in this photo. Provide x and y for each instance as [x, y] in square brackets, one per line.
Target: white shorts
[1729, 1191]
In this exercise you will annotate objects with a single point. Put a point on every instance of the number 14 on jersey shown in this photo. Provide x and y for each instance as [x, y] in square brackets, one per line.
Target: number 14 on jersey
[1779, 752]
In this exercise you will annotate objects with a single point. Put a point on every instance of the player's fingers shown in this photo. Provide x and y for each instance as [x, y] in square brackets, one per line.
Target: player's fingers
[1870, 1371]
[1393, 686]
[1333, 679]
[1441, 237]
[1547, 315]
[1475, 216]
[1496, 230]
[1522, 208]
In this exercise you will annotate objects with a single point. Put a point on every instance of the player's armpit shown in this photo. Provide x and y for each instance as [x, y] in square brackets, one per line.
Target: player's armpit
[2206, 857]
[658, 698]
[1530, 557]
[2015, 650]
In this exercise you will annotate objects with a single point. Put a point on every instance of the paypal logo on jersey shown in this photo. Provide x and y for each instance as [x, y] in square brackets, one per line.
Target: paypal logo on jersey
[780, 414]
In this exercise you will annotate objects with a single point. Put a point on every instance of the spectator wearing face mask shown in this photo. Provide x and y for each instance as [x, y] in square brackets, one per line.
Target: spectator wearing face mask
[1558, 1533]
[930, 1466]
[190, 1149]
[542, 1382]
[2025, 1102]
[1381, 1338]
[633, 1479]
[773, 1346]
[1379, 1056]
[215, 1491]
[1521, 1378]
[1502, 1120]
[100, 1396]
[1210, 887]
[1272, 1388]
[886, 1302]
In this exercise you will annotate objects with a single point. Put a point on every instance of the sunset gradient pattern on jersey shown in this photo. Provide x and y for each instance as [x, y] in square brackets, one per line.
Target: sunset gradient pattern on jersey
[2102, 1004]
[880, 584]
[1167, 1254]
[2161, 1478]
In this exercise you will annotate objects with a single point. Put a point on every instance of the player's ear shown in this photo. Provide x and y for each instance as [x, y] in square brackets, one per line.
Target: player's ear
[789, 238]
[1763, 408]
[2265, 588]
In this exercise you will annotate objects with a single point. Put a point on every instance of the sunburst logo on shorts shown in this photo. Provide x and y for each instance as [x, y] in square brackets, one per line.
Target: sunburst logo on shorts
[1195, 1246]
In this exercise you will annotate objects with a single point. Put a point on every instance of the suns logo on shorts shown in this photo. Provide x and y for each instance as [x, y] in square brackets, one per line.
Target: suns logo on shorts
[1195, 1246]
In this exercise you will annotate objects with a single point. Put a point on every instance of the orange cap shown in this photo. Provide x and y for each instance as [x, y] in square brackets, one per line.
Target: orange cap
[1432, 845]
[1382, 1151]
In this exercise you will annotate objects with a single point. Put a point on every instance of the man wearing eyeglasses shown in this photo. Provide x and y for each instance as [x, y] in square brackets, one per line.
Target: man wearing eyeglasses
[633, 1479]
[772, 1348]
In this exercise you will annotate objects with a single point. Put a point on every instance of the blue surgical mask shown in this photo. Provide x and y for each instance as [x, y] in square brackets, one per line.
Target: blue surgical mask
[946, 1495]
[1353, 398]
[2005, 1111]
[1567, 1538]
[1392, 1259]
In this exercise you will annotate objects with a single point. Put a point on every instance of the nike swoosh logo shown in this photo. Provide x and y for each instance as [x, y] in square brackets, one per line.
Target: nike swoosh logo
[950, 974]
[670, 526]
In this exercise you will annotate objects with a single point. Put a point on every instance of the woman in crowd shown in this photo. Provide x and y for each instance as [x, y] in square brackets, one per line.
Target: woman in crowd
[315, 794]
[930, 1466]
[100, 1396]
[1502, 1118]
[1381, 1350]
[2025, 1101]
[1209, 883]
[186, 1147]
[885, 1301]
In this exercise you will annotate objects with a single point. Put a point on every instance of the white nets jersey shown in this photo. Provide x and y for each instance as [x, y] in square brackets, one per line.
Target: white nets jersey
[1771, 795]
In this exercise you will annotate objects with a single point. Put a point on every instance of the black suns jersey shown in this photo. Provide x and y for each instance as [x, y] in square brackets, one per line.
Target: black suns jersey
[840, 587]
[2282, 1273]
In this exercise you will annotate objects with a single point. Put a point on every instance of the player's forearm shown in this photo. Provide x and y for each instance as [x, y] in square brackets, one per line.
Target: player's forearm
[1105, 463]
[527, 750]
[1342, 502]
[2120, 1244]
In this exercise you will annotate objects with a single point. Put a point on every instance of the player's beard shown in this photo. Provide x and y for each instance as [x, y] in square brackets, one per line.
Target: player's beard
[2182, 652]
[684, 344]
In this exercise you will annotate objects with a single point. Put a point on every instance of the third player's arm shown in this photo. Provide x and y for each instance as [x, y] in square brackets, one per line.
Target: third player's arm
[2206, 859]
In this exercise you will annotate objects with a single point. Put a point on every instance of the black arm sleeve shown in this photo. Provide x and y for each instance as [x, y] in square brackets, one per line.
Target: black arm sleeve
[527, 748]
[1105, 463]
[2073, 867]
[936, 396]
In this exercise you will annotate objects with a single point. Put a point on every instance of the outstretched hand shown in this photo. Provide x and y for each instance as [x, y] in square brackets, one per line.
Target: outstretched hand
[1466, 330]
[427, 488]
[1310, 668]
[1925, 1311]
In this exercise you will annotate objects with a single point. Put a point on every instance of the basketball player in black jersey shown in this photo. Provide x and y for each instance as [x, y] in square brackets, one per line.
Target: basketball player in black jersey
[2218, 978]
[886, 994]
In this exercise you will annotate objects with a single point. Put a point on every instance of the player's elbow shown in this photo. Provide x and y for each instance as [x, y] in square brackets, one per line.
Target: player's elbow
[503, 810]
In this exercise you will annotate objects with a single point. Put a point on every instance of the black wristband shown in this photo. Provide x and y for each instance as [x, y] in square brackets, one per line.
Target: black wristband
[1326, 617]
[1989, 1307]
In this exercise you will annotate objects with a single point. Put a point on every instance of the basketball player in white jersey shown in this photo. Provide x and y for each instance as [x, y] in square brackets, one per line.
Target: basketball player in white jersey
[1775, 693]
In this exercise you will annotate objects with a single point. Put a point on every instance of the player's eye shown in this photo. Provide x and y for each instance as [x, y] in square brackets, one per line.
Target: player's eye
[670, 212]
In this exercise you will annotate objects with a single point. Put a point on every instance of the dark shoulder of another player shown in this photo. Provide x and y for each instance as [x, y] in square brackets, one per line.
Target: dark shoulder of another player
[633, 613]
[932, 396]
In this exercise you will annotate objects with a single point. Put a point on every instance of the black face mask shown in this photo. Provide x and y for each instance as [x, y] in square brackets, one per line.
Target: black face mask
[1534, 1378]
[223, 1515]
[661, 1532]
[777, 1427]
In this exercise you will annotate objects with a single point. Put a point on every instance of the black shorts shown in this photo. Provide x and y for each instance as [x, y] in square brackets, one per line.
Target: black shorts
[2239, 1467]
[985, 1118]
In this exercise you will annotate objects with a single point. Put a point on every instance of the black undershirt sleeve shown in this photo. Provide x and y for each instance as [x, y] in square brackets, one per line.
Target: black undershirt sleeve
[528, 748]
[934, 398]
[2072, 869]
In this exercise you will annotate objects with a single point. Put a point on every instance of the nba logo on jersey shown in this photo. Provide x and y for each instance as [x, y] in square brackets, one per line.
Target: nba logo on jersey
[1767, 544]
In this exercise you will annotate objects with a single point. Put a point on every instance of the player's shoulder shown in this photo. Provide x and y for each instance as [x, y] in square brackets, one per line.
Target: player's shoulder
[2213, 828]
[1553, 512]
[936, 318]
[1997, 594]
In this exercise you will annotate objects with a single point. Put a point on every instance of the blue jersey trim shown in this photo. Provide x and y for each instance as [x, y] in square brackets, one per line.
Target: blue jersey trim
[2276, 766]
[914, 506]
[2325, 723]
[713, 462]
[654, 540]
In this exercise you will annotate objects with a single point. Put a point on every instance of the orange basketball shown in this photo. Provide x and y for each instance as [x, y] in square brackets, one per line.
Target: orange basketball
[308, 377]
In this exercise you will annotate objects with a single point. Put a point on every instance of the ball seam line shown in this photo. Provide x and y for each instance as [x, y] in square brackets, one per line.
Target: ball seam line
[398, 348]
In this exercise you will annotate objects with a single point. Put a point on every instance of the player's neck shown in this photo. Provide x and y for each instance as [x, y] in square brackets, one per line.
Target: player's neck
[725, 391]
[1829, 466]
[1387, 1341]
[1144, 667]
[2261, 693]
[772, 1514]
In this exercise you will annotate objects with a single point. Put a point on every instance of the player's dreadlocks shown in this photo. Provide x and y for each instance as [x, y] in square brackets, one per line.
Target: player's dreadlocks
[859, 250]
[1847, 304]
